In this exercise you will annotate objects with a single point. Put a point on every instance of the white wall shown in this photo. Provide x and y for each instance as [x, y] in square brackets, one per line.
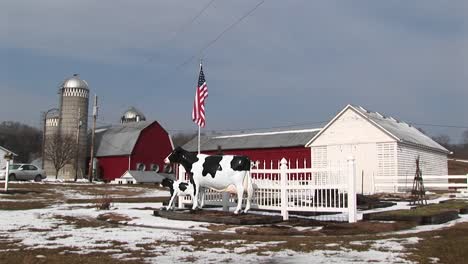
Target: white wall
[352, 135]
[2, 160]
[431, 163]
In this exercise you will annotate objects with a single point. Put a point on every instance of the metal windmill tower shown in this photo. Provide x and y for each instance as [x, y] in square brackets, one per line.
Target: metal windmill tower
[418, 193]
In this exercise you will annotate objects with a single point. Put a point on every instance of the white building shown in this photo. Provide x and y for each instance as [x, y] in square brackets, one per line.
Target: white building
[385, 150]
[139, 177]
[4, 151]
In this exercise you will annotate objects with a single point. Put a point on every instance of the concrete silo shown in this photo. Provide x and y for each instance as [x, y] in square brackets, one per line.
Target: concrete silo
[51, 128]
[73, 121]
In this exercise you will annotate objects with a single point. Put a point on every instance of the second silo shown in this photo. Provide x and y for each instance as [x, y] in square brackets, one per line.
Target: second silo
[73, 121]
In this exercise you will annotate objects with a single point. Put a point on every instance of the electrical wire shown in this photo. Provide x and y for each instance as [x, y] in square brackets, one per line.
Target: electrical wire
[182, 28]
[213, 41]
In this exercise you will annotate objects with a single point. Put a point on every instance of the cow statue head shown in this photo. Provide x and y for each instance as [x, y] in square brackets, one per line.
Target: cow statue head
[181, 156]
[168, 183]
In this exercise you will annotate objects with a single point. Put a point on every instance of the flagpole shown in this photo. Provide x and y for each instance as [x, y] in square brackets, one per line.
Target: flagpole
[199, 127]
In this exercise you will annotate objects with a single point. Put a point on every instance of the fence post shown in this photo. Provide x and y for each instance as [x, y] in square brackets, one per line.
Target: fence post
[467, 182]
[352, 207]
[284, 190]
[181, 176]
[6, 174]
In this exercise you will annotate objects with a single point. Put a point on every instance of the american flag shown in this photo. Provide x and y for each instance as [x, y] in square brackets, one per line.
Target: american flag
[198, 112]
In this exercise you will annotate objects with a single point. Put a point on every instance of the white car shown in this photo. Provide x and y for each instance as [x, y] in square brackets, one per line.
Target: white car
[23, 172]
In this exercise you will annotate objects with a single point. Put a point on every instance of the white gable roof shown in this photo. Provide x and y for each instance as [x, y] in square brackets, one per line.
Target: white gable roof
[400, 131]
[7, 151]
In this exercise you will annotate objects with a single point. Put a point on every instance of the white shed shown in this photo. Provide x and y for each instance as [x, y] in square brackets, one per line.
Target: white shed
[385, 150]
[4, 151]
[138, 177]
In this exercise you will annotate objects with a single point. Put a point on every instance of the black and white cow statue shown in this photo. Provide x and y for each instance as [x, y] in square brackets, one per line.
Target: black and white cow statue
[180, 188]
[226, 173]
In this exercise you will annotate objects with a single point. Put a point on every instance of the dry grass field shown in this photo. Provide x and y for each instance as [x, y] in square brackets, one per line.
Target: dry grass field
[60, 223]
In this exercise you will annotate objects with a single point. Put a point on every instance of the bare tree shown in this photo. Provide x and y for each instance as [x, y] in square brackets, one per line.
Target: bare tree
[22, 139]
[465, 138]
[181, 138]
[442, 139]
[60, 150]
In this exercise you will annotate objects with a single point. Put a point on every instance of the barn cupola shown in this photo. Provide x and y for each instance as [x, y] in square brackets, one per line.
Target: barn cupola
[132, 115]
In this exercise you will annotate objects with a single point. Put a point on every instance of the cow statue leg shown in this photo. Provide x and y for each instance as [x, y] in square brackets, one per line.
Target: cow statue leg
[202, 197]
[196, 187]
[249, 192]
[240, 195]
[171, 202]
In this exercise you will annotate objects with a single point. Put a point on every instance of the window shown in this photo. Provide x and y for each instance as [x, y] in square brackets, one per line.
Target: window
[140, 166]
[167, 168]
[29, 167]
[155, 167]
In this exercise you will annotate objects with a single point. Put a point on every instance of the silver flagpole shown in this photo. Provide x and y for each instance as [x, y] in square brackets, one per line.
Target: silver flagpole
[199, 127]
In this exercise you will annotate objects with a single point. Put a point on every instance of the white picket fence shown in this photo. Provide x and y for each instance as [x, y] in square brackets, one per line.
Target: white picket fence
[301, 190]
[431, 182]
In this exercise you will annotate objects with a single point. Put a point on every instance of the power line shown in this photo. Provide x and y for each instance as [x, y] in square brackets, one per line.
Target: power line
[183, 27]
[213, 41]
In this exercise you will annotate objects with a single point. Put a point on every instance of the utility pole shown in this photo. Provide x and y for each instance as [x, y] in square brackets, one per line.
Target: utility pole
[77, 145]
[91, 160]
[44, 119]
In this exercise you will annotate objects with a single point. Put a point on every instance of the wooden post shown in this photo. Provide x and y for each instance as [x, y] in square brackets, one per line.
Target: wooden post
[8, 157]
[77, 157]
[91, 160]
[284, 190]
[352, 206]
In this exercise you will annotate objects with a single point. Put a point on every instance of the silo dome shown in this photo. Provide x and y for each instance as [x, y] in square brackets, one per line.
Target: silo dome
[75, 82]
[132, 115]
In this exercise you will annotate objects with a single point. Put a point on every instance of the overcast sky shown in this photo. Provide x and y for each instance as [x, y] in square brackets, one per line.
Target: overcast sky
[289, 62]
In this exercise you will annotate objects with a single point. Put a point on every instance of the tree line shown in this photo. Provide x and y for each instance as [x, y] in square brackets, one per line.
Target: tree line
[26, 141]
[22, 139]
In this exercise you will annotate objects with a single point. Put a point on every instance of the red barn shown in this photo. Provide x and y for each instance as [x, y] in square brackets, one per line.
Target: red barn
[133, 145]
[266, 147]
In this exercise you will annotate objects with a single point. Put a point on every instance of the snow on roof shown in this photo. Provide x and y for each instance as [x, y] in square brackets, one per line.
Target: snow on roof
[8, 151]
[119, 139]
[403, 131]
[272, 139]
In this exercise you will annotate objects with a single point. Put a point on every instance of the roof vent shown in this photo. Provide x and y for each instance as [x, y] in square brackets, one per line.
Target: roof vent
[379, 115]
[363, 109]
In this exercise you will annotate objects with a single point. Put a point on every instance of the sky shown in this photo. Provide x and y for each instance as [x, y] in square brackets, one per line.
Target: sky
[289, 63]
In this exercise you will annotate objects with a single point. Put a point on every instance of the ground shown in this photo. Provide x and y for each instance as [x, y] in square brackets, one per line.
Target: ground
[62, 223]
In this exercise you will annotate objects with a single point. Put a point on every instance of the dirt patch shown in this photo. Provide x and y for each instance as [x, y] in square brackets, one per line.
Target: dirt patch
[122, 200]
[218, 217]
[366, 227]
[276, 230]
[7, 205]
[83, 222]
[114, 218]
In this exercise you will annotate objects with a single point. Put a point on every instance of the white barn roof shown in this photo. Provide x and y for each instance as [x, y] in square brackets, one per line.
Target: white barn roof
[400, 131]
[289, 138]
